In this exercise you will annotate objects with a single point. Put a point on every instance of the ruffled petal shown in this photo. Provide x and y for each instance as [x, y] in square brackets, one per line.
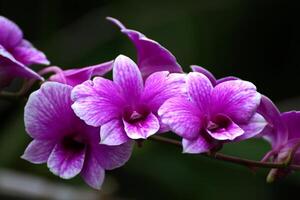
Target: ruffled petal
[204, 71]
[161, 86]
[113, 133]
[276, 131]
[27, 54]
[92, 172]
[38, 151]
[183, 117]
[142, 129]
[98, 101]
[237, 99]
[111, 157]
[152, 57]
[198, 145]
[75, 77]
[10, 34]
[292, 121]
[254, 127]
[66, 162]
[128, 76]
[48, 113]
[199, 89]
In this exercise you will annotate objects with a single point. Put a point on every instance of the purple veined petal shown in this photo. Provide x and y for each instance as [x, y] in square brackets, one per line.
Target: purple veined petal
[227, 78]
[254, 127]
[276, 131]
[195, 146]
[113, 133]
[11, 67]
[48, 113]
[10, 34]
[292, 121]
[128, 76]
[38, 151]
[143, 128]
[230, 132]
[152, 57]
[208, 74]
[75, 77]
[199, 89]
[161, 86]
[98, 101]
[66, 162]
[27, 54]
[237, 99]
[92, 172]
[183, 117]
[111, 157]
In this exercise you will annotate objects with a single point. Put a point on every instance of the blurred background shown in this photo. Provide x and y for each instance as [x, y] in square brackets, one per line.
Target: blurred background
[252, 39]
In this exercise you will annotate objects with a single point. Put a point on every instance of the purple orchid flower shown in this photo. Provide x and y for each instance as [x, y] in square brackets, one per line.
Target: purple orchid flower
[125, 108]
[16, 54]
[66, 143]
[151, 56]
[75, 77]
[210, 115]
[282, 132]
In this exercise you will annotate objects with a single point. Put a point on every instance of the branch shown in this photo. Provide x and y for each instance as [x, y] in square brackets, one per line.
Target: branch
[231, 159]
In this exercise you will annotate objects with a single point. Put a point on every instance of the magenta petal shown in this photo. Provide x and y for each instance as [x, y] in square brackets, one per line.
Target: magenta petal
[28, 54]
[111, 157]
[38, 151]
[48, 113]
[10, 66]
[254, 127]
[152, 57]
[10, 34]
[204, 71]
[143, 128]
[66, 162]
[92, 172]
[198, 145]
[292, 121]
[276, 131]
[74, 77]
[199, 89]
[161, 86]
[230, 132]
[97, 101]
[183, 117]
[237, 99]
[113, 133]
[128, 76]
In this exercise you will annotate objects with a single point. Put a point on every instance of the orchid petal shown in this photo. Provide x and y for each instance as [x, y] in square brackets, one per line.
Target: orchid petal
[38, 151]
[66, 162]
[98, 101]
[128, 76]
[152, 57]
[182, 117]
[143, 128]
[113, 133]
[237, 99]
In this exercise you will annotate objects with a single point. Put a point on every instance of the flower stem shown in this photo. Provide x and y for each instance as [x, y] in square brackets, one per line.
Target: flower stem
[231, 159]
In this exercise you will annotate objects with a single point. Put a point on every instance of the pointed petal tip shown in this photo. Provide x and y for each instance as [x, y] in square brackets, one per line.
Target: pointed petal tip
[116, 22]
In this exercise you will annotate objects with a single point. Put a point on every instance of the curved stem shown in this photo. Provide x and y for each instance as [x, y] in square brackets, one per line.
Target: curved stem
[232, 159]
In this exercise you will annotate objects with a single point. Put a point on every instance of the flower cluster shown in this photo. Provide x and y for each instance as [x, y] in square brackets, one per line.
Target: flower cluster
[83, 123]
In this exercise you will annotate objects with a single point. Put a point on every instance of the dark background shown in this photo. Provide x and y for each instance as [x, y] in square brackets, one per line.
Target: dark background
[252, 39]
